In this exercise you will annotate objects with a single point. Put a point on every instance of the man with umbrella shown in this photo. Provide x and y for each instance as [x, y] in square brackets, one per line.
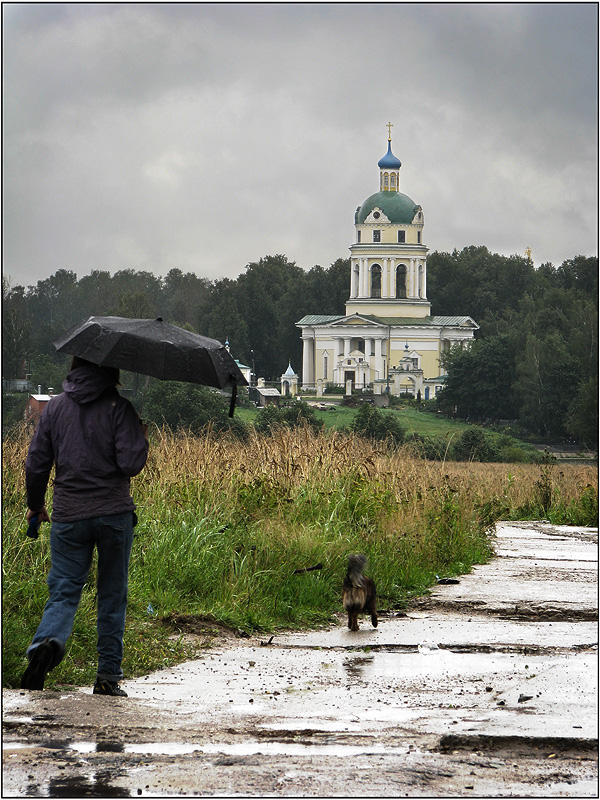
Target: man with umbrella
[96, 442]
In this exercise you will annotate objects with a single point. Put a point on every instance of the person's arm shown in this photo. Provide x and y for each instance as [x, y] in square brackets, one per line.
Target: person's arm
[38, 465]
[131, 440]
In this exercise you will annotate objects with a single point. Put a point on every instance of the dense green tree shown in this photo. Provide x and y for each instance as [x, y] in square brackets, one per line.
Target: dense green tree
[183, 294]
[582, 415]
[535, 357]
[547, 379]
[16, 331]
[579, 273]
[47, 372]
[135, 305]
[479, 380]
[188, 406]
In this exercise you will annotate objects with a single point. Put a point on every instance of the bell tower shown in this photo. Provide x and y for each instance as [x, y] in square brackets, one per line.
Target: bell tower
[388, 261]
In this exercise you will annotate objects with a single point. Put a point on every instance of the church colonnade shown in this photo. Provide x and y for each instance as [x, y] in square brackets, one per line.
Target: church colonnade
[332, 368]
[409, 270]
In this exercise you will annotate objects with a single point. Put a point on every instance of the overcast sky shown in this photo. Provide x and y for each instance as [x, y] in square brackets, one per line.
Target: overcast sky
[205, 136]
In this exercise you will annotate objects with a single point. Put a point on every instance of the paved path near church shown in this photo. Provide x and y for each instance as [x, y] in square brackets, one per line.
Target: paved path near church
[487, 687]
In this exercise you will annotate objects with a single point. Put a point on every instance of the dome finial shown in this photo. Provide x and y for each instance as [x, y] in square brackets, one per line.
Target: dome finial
[390, 125]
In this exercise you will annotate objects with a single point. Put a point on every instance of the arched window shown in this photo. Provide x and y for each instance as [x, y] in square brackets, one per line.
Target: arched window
[393, 180]
[385, 179]
[375, 280]
[401, 281]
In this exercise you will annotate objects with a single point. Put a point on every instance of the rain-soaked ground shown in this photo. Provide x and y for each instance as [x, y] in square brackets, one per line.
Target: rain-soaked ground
[486, 688]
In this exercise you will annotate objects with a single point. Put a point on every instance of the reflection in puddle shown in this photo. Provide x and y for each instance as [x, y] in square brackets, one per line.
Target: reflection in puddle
[355, 667]
[96, 785]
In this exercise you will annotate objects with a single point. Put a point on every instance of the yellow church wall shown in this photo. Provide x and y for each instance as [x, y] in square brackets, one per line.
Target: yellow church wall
[379, 308]
[430, 358]
[428, 351]
[389, 233]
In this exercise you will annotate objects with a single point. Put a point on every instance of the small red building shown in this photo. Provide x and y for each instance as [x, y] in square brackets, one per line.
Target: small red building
[36, 404]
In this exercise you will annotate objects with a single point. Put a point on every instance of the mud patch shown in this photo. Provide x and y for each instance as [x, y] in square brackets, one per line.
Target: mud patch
[508, 746]
[200, 625]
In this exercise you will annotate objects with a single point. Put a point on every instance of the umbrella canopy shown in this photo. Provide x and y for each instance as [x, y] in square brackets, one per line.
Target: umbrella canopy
[152, 347]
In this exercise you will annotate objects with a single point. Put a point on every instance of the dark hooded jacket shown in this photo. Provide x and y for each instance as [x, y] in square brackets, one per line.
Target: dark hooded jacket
[94, 438]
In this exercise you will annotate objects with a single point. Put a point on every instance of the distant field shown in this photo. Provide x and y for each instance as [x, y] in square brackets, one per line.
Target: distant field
[337, 417]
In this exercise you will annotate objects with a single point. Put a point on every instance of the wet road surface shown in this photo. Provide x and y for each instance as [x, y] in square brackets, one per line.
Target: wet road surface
[487, 688]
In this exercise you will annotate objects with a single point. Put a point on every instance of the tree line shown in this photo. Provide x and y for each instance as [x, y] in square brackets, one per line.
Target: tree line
[535, 358]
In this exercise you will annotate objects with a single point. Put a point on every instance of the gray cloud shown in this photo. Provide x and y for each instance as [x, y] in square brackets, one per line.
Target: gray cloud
[206, 136]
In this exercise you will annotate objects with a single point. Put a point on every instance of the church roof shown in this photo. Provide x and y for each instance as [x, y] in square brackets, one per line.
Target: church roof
[397, 207]
[319, 319]
[421, 322]
[436, 321]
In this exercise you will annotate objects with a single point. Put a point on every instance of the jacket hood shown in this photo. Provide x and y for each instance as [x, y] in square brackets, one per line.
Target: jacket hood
[86, 384]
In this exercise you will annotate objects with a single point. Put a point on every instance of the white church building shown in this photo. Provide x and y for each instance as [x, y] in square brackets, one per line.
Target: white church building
[387, 341]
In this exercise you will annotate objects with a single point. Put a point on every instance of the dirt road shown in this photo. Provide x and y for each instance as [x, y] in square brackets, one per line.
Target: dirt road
[487, 688]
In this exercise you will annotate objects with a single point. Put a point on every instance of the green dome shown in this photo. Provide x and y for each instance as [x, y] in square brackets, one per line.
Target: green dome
[397, 207]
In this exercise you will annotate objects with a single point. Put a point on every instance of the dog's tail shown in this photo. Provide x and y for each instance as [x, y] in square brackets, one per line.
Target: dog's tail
[356, 566]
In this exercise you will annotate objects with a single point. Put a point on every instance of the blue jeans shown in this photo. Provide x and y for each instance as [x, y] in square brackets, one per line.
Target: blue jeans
[72, 547]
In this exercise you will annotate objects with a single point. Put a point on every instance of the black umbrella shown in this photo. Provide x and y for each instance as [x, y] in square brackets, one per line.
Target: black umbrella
[153, 347]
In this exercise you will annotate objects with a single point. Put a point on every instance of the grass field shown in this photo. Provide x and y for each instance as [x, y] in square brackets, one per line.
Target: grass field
[224, 525]
[339, 416]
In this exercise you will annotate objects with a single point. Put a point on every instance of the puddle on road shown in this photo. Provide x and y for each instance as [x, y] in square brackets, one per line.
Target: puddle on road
[248, 748]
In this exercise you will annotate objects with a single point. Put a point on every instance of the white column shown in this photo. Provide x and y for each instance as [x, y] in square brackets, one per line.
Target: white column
[385, 278]
[411, 278]
[365, 278]
[424, 262]
[346, 346]
[392, 276]
[378, 359]
[308, 361]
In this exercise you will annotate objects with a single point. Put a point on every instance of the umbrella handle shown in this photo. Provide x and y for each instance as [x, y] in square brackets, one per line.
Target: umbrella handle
[233, 397]
[144, 395]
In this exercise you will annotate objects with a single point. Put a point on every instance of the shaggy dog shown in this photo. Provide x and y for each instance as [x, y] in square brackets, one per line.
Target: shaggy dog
[358, 592]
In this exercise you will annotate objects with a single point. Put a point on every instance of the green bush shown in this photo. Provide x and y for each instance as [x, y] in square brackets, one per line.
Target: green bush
[474, 445]
[294, 415]
[377, 425]
[13, 409]
[188, 406]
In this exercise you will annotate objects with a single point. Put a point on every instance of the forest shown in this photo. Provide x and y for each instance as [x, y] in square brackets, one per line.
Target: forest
[535, 358]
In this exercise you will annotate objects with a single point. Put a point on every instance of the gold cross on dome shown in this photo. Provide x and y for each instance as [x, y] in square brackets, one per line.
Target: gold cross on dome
[390, 125]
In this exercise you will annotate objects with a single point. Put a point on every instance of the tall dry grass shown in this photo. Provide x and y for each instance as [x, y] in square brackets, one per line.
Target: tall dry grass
[223, 525]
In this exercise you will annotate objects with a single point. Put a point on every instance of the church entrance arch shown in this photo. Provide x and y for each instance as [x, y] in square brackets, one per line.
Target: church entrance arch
[408, 385]
[350, 375]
